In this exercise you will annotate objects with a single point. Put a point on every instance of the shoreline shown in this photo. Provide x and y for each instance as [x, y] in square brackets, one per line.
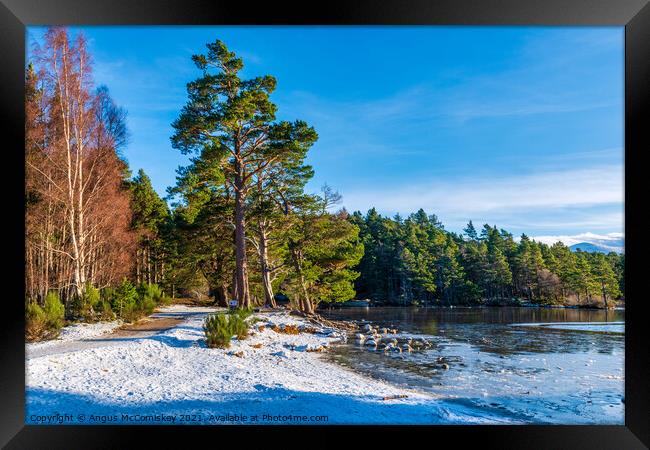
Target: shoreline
[590, 308]
[269, 374]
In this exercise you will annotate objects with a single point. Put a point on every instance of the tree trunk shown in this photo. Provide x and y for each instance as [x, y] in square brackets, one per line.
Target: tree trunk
[82, 234]
[264, 268]
[76, 255]
[241, 263]
[148, 263]
[309, 307]
[221, 295]
[305, 303]
[224, 294]
[162, 269]
[137, 266]
[233, 291]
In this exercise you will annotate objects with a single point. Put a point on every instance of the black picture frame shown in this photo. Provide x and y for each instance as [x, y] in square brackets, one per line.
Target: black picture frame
[633, 14]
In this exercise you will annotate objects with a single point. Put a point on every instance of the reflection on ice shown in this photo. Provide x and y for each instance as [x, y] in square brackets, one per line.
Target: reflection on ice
[595, 327]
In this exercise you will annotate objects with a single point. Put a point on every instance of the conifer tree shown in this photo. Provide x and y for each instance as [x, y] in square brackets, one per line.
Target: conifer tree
[234, 119]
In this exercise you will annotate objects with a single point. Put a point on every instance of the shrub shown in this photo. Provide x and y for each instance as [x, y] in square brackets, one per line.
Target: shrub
[149, 296]
[35, 323]
[150, 291]
[146, 305]
[45, 322]
[242, 313]
[54, 311]
[238, 326]
[75, 308]
[105, 312]
[124, 300]
[130, 313]
[217, 331]
[92, 297]
[220, 328]
[107, 294]
[86, 305]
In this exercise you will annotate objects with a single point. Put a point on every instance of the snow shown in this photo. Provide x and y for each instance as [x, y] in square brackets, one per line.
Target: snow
[76, 332]
[172, 377]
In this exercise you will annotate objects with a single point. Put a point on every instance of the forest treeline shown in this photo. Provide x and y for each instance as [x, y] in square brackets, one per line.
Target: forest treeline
[240, 221]
[417, 260]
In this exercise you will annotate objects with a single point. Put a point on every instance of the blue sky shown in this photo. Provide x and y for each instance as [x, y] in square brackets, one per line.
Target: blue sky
[521, 127]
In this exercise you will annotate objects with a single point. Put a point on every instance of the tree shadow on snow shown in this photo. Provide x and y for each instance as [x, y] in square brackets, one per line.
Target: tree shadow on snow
[276, 401]
[264, 400]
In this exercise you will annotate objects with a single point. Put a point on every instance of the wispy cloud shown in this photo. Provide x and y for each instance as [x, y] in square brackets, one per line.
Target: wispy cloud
[577, 219]
[522, 107]
[448, 105]
[508, 198]
[578, 187]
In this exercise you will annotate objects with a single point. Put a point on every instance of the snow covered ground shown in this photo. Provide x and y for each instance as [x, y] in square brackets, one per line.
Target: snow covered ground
[172, 377]
[77, 332]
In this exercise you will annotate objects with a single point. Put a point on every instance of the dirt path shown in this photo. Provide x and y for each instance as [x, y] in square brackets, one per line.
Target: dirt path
[146, 326]
[156, 323]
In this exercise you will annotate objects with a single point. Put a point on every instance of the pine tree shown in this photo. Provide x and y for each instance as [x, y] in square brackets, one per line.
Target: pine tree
[470, 231]
[605, 276]
[322, 248]
[150, 216]
[234, 119]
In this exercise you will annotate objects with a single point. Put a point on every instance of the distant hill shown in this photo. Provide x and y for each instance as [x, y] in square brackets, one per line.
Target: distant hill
[588, 242]
[609, 246]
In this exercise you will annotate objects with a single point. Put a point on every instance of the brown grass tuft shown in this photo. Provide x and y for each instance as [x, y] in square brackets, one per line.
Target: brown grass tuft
[286, 329]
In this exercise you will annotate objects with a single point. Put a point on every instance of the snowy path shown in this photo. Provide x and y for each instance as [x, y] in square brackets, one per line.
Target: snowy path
[171, 376]
[107, 334]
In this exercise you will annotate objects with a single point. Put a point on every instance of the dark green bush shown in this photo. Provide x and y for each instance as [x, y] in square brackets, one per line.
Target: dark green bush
[87, 305]
[130, 302]
[130, 313]
[146, 305]
[105, 312]
[75, 308]
[217, 331]
[107, 294]
[92, 297]
[150, 291]
[45, 322]
[35, 323]
[54, 311]
[124, 301]
[220, 328]
[149, 295]
[242, 313]
[238, 326]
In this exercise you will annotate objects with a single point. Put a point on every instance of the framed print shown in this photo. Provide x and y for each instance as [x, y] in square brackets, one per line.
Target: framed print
[419, 217]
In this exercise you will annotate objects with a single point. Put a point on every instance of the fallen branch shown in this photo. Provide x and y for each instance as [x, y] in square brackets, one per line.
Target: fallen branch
[319, 320]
